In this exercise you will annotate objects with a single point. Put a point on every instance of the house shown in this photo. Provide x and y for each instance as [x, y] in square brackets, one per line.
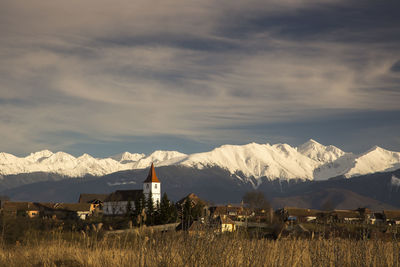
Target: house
[96, 199]
[346, 216]
[28, 209]
[52, 210]
[298, 214]
[392, 216]
[234, 212]
[80, 210]
[378, 218]
[66, 210]
[121, 201]
[366, 215]
[224, 224]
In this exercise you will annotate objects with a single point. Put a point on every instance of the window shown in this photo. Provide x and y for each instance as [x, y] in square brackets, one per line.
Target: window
[147, 185]
[155, 185]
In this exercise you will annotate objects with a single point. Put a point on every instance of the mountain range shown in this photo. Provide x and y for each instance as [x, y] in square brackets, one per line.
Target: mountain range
[311, 175]
[310, 161]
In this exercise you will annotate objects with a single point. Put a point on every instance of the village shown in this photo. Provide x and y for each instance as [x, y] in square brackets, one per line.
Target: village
[124, 210]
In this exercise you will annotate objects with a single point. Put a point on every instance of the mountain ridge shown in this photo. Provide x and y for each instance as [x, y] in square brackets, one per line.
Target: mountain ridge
[309, 161]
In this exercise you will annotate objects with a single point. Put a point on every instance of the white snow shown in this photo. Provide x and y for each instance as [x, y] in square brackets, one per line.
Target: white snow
[128, 157]
[376, 159]
[320, 153]
[312, 161]
[274, 161]
[395, 181]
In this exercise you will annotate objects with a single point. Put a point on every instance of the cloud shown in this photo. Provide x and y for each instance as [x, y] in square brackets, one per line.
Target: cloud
[396, 67]
[77, 71]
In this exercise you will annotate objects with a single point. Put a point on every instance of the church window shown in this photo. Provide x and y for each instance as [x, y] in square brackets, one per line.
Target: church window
[155, 186]
[147, 185]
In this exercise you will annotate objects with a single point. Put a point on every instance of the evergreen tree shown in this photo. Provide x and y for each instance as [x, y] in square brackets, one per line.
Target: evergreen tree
[173, 213]
[139, 206]
[167, 210]
[129, 209]
[150, 210]
[156, 215]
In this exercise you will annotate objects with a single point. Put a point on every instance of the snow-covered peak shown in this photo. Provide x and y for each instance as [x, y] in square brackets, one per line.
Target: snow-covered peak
[85, 157]
[37, 156]
[7, 158]
[376, 159]
[128, 157]
[311, 160]
[319, 152]
[59, 157]
[158, 157]
[256, 160]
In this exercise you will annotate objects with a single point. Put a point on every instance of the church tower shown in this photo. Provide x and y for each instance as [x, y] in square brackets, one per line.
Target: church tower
[153, 185]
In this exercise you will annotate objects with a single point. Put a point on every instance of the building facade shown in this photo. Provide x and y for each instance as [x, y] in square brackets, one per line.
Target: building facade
[121, 202]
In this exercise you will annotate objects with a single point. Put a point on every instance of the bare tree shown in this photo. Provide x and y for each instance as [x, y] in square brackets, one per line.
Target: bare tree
[256, 201]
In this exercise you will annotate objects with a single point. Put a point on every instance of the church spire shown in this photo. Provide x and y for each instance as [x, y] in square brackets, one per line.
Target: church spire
[152, 177]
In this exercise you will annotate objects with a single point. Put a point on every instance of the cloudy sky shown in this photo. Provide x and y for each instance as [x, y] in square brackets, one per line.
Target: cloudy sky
[104, 77]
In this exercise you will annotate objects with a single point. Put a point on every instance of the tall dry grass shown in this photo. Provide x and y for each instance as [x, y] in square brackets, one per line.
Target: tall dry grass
[180, 249]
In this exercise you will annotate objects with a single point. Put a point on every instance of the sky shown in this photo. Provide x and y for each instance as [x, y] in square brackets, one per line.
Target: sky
[104, 77]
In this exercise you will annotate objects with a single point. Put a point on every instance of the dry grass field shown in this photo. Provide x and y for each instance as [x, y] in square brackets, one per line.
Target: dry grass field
[180, 249]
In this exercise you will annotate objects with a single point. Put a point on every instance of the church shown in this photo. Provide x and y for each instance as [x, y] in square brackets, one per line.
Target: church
[118, 202]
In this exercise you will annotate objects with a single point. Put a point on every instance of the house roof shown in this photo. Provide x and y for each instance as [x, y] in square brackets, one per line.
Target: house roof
[152, 177]
[392, 214]
[226, 210]
[124, 195]
[36, 206]
[16, 206]
[340, 214]
[73, 206]
[300, 212]
[90, 198]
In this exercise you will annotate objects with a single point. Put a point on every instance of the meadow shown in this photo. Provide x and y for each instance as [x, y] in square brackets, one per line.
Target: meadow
[143, 248]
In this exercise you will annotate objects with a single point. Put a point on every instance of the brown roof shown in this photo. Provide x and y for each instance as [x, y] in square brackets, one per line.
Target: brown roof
[16, 206]
[90, 198]
[73, 206]
[64, 206]
[341, 214]
[229, 210]
[392, 214]
[300, 212]
[124, 195]
[32, 206]
[152, 177]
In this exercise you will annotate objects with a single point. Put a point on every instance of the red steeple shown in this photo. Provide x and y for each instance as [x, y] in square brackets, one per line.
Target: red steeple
[152, 177]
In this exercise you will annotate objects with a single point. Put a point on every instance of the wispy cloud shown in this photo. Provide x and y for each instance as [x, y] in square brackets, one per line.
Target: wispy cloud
[77, 71]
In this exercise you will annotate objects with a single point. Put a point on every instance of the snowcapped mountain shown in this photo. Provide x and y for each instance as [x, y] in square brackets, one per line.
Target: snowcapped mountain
[68, 165]
[374, 160]
[256, 160]
[310, 161]
[320, 153]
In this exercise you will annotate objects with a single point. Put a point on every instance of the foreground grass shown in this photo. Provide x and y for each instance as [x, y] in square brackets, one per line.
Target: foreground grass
[180, 249]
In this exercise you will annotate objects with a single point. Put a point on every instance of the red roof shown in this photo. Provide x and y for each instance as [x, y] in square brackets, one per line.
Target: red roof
[152, 177]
